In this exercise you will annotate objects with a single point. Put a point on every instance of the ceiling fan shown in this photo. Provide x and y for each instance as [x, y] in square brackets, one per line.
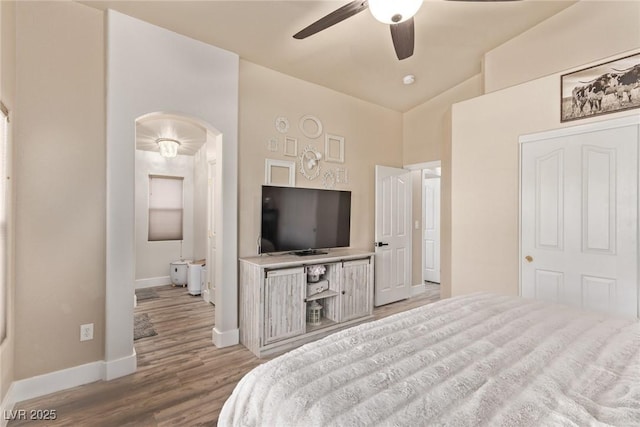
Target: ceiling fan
[397, 13]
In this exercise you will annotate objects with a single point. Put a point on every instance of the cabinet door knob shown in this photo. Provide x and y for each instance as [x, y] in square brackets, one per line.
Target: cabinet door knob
[528, 258]
[344, 292]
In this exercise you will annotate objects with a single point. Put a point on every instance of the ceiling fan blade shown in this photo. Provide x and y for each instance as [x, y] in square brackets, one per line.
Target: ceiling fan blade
[338, 15]
[403, 36]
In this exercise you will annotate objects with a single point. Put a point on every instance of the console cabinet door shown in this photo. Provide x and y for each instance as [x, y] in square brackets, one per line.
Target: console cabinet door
[284, 310]
[357, 297]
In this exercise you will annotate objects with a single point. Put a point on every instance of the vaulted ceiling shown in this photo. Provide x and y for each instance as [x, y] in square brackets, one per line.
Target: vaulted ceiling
[356, 56]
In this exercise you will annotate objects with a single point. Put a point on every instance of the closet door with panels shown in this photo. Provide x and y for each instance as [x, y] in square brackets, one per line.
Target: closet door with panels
[579, 216]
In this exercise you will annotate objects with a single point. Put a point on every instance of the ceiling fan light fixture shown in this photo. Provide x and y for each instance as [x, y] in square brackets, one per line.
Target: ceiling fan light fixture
[394, 11]
[168, 147]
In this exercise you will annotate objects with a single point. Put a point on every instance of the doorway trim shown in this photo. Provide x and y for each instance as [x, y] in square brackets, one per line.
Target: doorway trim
[418, 288]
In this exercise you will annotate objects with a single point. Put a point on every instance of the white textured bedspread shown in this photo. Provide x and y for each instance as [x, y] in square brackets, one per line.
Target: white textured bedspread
[481, 359]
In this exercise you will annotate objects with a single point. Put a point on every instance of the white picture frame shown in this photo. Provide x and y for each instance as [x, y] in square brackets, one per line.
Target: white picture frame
[272, 177]
[290, 147]
[333, 148]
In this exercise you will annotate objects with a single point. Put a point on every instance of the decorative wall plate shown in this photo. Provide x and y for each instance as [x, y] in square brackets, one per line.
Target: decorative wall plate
[310, 126]
[272, 144]
[282, 124]
[329, 179]
[342, 176]
[309, 162]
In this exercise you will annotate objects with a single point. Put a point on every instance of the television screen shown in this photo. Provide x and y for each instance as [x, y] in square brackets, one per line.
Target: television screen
[295, 219]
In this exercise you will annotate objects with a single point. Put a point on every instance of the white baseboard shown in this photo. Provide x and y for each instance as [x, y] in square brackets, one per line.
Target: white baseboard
[52, 382]
[225, 339]
[64, 379]
[120, 367]
[205, 295]
[152, 281]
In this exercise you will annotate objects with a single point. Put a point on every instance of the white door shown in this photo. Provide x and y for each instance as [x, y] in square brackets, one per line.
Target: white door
[580, 220]
[393, 235]
[431, 228]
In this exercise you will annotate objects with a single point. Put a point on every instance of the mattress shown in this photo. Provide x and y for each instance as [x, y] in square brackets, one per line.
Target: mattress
[481, 359]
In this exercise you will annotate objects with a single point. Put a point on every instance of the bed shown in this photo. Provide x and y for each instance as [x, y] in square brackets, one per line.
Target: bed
[481, 359]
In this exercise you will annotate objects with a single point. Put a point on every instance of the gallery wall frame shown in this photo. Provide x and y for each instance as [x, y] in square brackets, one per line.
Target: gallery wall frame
[279, 172]
[342, 176]
[334, 148]
[605, 88]
[309, 161]
[290, 147]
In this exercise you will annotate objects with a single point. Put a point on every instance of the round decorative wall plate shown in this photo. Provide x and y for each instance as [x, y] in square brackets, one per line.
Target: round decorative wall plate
[282, 124]
[309, 162]
[310, 126]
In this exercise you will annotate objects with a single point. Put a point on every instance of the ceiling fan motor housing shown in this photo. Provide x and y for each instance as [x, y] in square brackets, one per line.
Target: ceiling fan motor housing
[393, 12]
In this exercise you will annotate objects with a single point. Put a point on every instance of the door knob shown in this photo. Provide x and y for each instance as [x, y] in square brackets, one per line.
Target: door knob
[529, 258]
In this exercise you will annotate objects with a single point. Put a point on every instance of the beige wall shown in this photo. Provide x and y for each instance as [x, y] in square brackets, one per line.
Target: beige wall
[485, 157]
[60, 186]
[372, 136]
[424, 127]
[425, 131]
[7, 96]
[580, 34]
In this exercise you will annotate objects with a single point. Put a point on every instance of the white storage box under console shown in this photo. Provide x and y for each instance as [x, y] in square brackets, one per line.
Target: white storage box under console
[317, 287]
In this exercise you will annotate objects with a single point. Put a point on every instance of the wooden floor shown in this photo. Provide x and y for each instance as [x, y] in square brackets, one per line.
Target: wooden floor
[182, 379]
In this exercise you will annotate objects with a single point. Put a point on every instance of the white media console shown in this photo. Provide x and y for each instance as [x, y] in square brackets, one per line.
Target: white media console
[273, 298]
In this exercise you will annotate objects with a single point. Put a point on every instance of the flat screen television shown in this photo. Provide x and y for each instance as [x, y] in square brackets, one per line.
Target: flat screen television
[304, 220]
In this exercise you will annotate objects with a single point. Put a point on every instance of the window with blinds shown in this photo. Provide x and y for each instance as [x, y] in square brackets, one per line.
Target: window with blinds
[165, 207]
[3, 223]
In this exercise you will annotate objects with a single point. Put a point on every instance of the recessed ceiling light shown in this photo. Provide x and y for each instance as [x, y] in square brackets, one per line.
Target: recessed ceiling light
[409, 79]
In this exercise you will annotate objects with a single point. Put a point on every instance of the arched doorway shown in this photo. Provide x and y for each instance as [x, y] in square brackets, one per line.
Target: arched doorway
[195, 137]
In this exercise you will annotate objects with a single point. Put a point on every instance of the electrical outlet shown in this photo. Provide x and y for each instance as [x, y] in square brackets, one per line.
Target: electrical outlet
[86, 332]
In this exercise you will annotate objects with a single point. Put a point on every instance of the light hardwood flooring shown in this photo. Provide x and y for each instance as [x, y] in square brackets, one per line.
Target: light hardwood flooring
[182, 379]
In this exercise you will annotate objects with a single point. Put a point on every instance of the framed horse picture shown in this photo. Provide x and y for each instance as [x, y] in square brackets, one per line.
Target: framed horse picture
[604, 88]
